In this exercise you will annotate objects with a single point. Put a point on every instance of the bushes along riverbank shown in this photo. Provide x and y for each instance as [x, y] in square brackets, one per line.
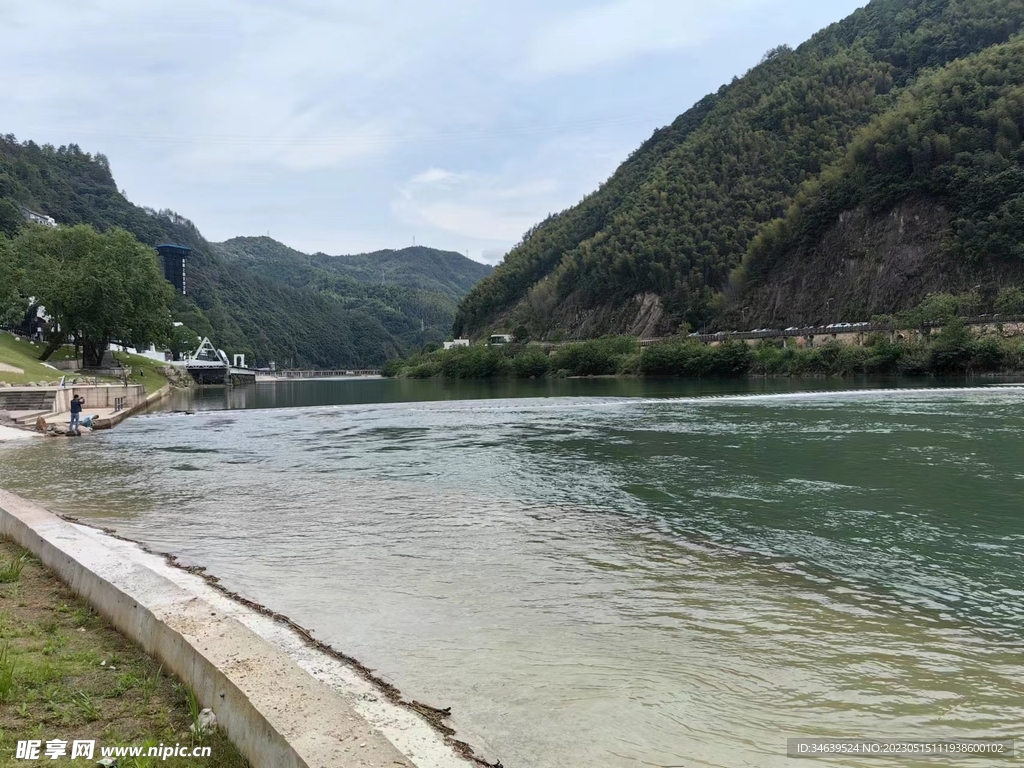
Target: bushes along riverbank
[953, 350]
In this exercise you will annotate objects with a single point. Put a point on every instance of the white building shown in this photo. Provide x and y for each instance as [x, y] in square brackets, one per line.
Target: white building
[39, 218]
[456, 343]
[500, 338]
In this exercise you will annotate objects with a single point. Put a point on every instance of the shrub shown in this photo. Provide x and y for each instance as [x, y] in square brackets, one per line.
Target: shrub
[530, 364]
[953, 348]
[1010, 301]
[883, 357]
[692, 358]
[629, 365]
[476, 362]
[424, 370]
[915, 361]
[989, 354]
[673, 358]
[732, 358]
[597, 357]
[769, 360]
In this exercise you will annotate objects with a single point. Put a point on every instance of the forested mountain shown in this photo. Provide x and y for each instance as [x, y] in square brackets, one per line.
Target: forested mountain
[657, 244]
[944, 167]
[412, 293]
[261, 298]
[426, 269]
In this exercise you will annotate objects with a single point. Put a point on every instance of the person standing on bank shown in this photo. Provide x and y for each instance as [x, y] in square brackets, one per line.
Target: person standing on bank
[77, 403]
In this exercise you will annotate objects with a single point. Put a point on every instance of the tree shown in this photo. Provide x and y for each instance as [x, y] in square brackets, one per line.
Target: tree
[98, 287]
[953, 348]
[937, 308]
[1010, 301]
[12, 304]
[775, 52]
[183, 342]
[11, 220]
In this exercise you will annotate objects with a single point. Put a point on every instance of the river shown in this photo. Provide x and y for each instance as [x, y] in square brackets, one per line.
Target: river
[607, 573]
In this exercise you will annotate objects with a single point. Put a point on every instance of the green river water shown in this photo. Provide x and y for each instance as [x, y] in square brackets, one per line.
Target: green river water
[608, 572]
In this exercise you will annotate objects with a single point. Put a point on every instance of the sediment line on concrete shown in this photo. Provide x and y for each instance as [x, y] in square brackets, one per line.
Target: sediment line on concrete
[277, 713]
[435, 716]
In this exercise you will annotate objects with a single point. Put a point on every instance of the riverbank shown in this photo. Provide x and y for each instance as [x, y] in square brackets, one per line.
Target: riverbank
[30, 389]
[274, 690]
[67, 674]
[954, 350]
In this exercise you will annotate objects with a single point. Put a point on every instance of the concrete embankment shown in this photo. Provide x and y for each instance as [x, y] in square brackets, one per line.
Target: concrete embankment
[281, 702]
[117, 418]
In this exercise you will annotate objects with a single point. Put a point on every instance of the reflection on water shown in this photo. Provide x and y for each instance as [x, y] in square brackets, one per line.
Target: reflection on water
[591, 579]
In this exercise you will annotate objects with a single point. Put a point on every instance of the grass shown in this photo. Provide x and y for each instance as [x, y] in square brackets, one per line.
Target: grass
[66, 674]
[11, 573]
[6, 673]
[24, 354]
[144, 371]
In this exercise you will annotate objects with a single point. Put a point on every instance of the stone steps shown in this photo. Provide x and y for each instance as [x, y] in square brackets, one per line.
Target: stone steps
[25, 400]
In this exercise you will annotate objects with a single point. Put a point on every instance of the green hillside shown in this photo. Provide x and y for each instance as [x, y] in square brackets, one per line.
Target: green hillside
[287, 307]
[952, 145]
[657, 243]
[445, 273]
[411, 293]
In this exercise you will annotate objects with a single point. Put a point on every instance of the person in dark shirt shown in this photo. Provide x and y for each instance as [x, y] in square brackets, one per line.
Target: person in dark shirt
[76, 413]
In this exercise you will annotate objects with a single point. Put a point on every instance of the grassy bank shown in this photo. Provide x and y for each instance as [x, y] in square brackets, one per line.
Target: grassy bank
[145, 371]
[954, 350]
[65, 674]
[19, 353]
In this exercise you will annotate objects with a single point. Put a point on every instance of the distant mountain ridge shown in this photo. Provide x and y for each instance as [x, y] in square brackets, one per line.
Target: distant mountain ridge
[261, 298]
[446, 272]
[658, 243]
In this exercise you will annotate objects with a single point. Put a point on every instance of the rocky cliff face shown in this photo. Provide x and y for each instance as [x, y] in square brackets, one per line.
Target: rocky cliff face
[643, 316]
[868, 265]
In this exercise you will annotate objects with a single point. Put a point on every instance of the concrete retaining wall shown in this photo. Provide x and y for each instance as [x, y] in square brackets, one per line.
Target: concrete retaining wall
[120, 416]
[100, 396]
[275, 713]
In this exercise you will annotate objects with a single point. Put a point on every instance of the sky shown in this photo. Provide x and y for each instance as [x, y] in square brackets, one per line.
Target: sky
[346, 127]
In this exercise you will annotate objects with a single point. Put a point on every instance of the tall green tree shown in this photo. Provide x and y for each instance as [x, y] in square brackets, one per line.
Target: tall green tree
[12, 304]
[99, 287]
[11, 219]
[183, 341]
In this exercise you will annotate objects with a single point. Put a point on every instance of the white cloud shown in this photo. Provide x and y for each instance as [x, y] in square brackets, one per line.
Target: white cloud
[623, 29]
[473, 206]
[492, 211]
[434, 176]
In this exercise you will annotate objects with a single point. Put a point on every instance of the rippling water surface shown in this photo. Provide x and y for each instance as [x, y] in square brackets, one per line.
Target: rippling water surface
[599, 580]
